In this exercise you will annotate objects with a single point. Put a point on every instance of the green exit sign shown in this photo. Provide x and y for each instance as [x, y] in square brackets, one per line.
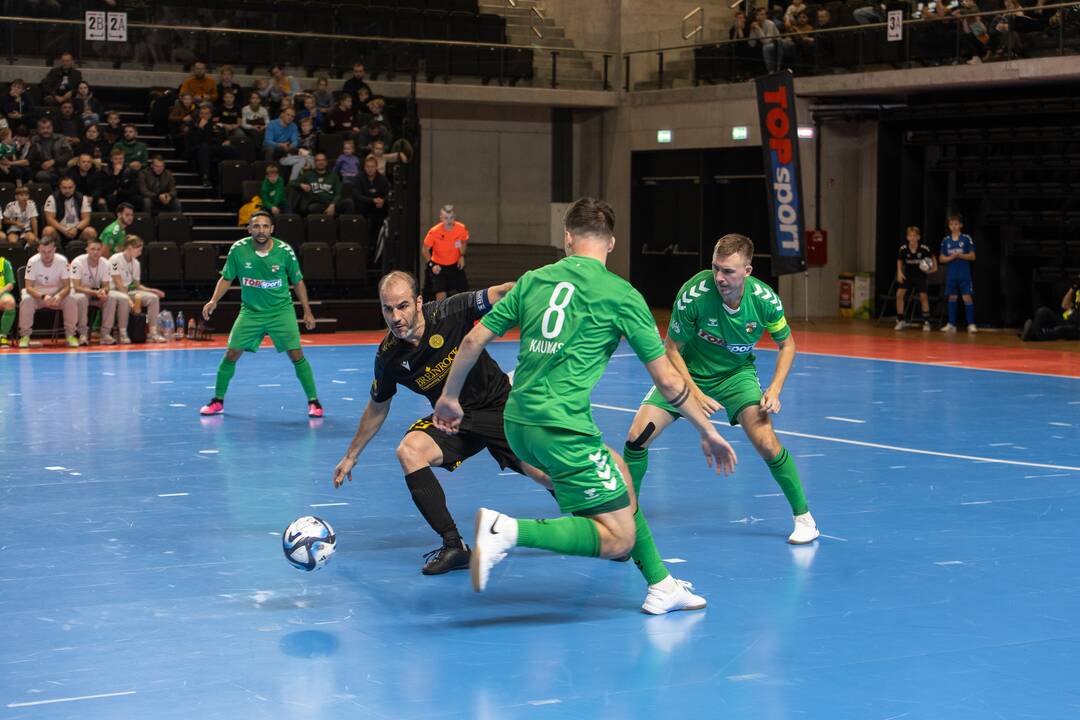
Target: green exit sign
[739, 132]
[663, 136]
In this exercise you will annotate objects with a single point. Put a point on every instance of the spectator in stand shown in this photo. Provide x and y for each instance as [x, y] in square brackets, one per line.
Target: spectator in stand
[60, 82]
[67, 215]
[1006, 32]
[201, 86]
[158, 188]
[791, 15]
[228, 115]
[974, 36]
[119, 184]
[181, 115]
[826, 43]
[311, 110]
[88, 180]
[254, 118]
[872, 13]
[49, 153]
[912, 277]
[94, 145]
[303, 156]
[342, 119]
[47, 286]
[763, 32]
[376, 132]
[371, 190]
[21, 219]
[1056, 325]
[281, 85]
[376, 106]
[281, 136]
[272, 193]
[207, 145]
[14, 160]
[113, 132]
[226, 82]
[804, 40]
[383, 158]
[324, 99]
[957, 254]
[87, 106]
[362, 97]
[135, 152]
[354, 84]
[443, 252]
[91, 282]
[320, 190]
[348, 165]
[17, 107]
[262, 86]
[67, 123]
[127, 280]
[115, 233]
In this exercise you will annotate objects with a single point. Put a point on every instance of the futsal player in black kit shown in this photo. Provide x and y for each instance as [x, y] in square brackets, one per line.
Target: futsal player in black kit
[914, 263]
[417, 354]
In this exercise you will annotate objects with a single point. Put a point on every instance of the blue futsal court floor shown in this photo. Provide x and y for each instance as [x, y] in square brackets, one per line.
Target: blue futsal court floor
[143, 575]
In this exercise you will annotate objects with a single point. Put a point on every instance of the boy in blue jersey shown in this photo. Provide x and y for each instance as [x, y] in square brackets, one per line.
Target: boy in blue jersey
[957, 254]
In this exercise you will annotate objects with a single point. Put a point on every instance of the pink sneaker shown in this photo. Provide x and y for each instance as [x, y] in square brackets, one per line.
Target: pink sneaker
[214, 407]
[314, 409]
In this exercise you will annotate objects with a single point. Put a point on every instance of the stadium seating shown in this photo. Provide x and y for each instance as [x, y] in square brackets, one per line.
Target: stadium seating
[200, 263]
[316, 261]
[174, 227]
[162, 262]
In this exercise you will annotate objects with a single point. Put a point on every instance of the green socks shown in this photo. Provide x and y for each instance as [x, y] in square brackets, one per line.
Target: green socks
[225, 373]
[638, 462]
[786, 475]
[565, 535]
[6, 321]
[306, 377]
[645, 554]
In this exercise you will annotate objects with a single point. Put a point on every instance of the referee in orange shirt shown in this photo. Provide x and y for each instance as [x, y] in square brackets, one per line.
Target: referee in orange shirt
[444, 253]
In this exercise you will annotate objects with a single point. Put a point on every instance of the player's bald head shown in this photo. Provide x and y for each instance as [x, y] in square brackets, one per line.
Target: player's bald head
[399, 278]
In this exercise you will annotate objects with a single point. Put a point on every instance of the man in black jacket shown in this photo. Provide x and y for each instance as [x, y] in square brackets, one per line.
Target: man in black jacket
[61, 82]
[372, 191]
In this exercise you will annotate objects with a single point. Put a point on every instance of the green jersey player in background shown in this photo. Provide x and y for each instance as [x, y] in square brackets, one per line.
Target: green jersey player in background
[718, 317]
[265, 267]
[572, 315]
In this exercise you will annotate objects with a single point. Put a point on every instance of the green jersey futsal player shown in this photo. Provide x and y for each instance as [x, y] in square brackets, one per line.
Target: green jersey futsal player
[718, 317]
[265, 266]
[572, 315]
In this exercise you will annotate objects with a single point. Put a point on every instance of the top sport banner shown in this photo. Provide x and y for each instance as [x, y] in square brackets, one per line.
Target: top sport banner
[780, 142]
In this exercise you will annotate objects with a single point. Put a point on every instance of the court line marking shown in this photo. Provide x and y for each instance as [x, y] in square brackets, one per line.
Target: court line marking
[844, 419]
[337, 504]
[69, 699]
[881, 446]
[940, 363]
[172, 494]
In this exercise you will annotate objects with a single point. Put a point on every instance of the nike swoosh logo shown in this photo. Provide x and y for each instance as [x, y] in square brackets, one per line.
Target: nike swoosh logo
[492, 529]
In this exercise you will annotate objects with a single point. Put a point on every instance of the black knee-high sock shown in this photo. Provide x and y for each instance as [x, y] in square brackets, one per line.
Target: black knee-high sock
[428, 495]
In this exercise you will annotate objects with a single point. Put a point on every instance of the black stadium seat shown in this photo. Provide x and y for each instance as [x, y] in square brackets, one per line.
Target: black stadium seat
[7, 195]
[354, 229]
[316, 261]
[233, 173]
[73, 249]
[322, 228]
[162, 260]
[350, 262]
[200, 263]
[143, 226]
[289, 228]
[98, 220]
[174, 227]
[249, 189]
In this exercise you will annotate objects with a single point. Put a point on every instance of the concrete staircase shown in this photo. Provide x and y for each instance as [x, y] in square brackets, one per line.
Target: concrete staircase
[678, 65]
[575, 70]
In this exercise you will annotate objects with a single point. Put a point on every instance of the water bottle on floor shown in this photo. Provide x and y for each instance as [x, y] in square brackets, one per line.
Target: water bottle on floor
[165, 322]
[191, 328]
[180, 325]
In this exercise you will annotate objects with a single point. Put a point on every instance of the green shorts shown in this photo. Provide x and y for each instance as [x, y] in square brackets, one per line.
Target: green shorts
[252, 326]
[587, 481]
[736, 391]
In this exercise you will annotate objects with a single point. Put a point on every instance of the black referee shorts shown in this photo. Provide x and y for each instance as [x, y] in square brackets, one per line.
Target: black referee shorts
[479, 429]
[449, 280]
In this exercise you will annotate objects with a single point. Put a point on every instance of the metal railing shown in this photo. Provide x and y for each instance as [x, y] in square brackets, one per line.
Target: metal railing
[698, 15]
[927, 41]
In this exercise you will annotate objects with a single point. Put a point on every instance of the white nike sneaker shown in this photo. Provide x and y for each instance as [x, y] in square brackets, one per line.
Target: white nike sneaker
[495, 535]
[670, 595]
[900, 325]
[972, 329]
[805, 530]
[948, 328]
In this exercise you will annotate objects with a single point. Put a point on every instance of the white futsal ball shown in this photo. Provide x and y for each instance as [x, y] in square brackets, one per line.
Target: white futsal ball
[309, 543]
[926, 265]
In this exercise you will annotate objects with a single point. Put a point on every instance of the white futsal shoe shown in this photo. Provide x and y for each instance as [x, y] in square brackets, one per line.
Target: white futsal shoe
[495, 535]
[670, 595]
[805, 530]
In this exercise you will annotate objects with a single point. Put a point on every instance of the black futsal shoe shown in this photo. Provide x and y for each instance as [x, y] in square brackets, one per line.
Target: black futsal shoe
[447, 558]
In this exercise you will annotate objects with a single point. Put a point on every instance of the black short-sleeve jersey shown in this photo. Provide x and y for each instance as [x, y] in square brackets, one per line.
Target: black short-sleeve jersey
[424, 368]
[911, 259]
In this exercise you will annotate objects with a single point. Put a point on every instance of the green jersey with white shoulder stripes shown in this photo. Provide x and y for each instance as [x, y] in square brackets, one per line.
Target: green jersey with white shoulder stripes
[716, 339]
[264, 279]
[572, 315]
